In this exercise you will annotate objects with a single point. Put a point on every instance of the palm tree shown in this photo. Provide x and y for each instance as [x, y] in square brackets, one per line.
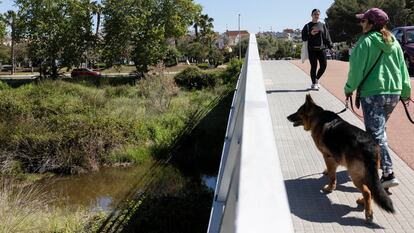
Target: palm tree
[97, 9]
[206, 24]
[10, 19]
[196, 25]
[206, 29]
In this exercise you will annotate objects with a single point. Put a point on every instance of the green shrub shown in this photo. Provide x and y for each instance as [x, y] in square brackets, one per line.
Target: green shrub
[4, 86]
[194, 78]
[231, 74]
[203, 66]
[171, 56]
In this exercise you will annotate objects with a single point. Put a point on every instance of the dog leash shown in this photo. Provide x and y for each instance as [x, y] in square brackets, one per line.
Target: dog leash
[405, 104]
[349, 99]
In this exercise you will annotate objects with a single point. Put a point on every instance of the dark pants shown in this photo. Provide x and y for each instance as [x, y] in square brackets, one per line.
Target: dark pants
[314, 57]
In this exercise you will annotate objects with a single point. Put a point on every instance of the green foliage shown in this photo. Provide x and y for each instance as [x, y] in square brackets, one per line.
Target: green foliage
[203, 25]
[2, 28]
[171, 56]
[69, 128]
[215, 56]
[4, 86]
[271, 47]
[344, 26]
[268, 45]
[136, 30]
[177, 15]
[118, 29]
[197, 51]
[29, 209]
[203, 66]
[4, 54]
[194, 78]
[341, 21]
[58, 30]
[231, 74]
[131, 153]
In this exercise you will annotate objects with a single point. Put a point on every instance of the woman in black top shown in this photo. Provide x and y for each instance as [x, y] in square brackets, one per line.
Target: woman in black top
[319, 40]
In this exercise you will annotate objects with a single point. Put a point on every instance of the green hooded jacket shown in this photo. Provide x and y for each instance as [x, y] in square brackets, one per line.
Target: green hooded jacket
[389, 76]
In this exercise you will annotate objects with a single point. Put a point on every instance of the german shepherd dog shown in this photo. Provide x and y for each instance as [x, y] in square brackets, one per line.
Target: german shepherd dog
[344, 144]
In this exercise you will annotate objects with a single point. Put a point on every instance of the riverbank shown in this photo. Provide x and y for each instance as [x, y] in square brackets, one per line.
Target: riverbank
[56, 127]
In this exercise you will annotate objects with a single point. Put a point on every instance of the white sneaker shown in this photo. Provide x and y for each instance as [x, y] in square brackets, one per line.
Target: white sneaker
[389, 181]
[315, 87]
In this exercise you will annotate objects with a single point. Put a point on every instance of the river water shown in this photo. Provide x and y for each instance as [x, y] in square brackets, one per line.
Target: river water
[102, 190]
[96, 191]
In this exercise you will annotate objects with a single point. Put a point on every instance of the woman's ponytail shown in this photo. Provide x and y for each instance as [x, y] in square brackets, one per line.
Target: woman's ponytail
[386, 35]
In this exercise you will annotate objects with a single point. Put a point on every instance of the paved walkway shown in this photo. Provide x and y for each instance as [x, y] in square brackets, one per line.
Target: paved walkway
[302, 164]
[400, 131]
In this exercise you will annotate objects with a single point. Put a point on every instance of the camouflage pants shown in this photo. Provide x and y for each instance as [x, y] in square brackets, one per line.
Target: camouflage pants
[377, 109]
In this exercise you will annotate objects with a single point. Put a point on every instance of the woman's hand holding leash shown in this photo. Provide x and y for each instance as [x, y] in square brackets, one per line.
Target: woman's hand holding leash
[406, 102]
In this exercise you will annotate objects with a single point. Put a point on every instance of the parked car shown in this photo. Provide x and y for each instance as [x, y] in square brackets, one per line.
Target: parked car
[78, 72]
[405, 35]
[6, 68]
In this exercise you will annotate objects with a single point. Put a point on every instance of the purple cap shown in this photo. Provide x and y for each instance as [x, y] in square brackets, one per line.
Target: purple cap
[375, 15]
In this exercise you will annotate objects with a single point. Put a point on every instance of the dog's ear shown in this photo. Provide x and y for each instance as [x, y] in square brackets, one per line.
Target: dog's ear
[309, 99]
[309, 103]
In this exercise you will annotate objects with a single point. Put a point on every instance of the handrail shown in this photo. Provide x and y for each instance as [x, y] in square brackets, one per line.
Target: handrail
[250, 195]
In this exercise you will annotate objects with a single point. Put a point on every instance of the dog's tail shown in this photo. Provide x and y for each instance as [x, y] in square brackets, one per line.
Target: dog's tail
[379, 194]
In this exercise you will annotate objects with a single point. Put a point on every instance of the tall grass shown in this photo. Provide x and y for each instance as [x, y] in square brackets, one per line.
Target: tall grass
[63, 127]
[28, 209]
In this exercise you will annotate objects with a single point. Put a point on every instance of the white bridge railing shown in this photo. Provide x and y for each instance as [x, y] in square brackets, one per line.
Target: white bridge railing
[250, 195]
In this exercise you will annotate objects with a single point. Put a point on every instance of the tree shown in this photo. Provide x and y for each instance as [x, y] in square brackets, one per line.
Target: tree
[197, 51]
[341, 21]
[97, 9]
[142, 27]
[118, 27]
[343, 25]
[58, 32]
[10, 19]
[4, 53]
[215, 56]
[206, 30]
[2, 29]
[397, 12]
[171, 56]
[177, 15]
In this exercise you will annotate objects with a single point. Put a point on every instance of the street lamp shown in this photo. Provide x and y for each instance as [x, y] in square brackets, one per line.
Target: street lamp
[239, 40]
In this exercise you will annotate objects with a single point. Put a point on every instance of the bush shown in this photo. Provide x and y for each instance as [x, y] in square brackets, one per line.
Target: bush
[171, 56]
[231, 74]
[4, 86]
[194, 78]
[203, 66]
[62, 127]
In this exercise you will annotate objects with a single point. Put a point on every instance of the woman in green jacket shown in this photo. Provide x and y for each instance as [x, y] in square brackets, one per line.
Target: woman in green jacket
[387, 82]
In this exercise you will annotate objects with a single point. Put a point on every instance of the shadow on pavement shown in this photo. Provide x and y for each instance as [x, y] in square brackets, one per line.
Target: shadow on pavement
[285, 91]
[307, 201]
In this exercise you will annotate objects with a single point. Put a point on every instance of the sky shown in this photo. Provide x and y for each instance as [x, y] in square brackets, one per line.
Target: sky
[255, 15]
[262, 15]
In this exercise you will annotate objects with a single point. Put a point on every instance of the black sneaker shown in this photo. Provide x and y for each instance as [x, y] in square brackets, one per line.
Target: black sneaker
[389, 181]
